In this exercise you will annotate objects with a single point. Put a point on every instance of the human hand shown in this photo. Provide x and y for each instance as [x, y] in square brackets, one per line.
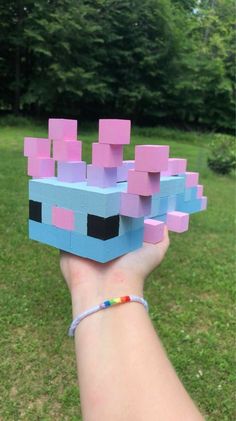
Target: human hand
[91, 282]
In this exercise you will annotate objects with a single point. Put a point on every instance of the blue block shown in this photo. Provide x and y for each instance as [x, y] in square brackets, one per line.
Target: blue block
[190, 193]
[159, 205]
[170, 186]
[50, 235]
[160, 218]
[127, 224]
[81, 223]
[171, 203]
[190, 207]
[46, 214]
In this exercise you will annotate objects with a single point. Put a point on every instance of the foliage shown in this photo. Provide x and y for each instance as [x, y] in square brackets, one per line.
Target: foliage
[222, 157]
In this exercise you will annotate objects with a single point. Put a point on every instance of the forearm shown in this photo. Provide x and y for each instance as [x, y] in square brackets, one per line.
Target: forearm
[123, 371]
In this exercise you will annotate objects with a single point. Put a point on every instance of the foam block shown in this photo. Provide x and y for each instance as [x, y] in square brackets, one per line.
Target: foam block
[67, 151]
[63, 218]
[153, 231]
[49, 234]
[143, 183]
[104, 155]
[135, 205]
[81, 223]
[46, 213]
[103, 228]
[191, 179]
[62, 129]
[71, 172]
[190, 193]
[151, 158]
[191, 206]
[128, 223]
[37, 147]
[177, 221]
[171, 203]
[203, 203]
[114, 131]
[176, 166]
[172, 185]
[199, 191]
[35, 211]
[122, 172]
[101, 177]
[41, 167]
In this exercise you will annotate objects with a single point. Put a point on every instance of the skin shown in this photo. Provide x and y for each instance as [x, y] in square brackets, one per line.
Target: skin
[124, 373]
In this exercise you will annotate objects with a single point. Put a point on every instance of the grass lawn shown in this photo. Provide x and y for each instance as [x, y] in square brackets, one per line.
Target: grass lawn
[190, 295]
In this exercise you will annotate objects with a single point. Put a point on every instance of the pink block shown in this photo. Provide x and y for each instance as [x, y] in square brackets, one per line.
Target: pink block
[107, 156]
[204, 203]
[35, 147]
[70, 150]
[135, 205]
[143, 183]
[153, 231]
[151, 158]
[177, 221]
[41, 167]
[114, 131]
[175, 166]
[71, 172]
[122, 172]
[191, 179]
[63, 218]
[62, 129]
[101, 177]
[199, 191]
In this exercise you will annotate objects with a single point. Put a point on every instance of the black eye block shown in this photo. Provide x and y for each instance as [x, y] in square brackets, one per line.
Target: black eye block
[35, 211]
[103, 228]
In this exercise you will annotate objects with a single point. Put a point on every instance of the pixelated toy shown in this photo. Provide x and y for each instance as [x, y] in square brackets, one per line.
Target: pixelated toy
[108, 208]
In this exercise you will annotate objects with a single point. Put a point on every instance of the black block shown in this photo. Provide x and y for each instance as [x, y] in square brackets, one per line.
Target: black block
[35, 211]
[103, 228]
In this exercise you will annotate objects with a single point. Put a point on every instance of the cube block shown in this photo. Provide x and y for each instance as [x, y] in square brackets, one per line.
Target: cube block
[153, 231]
[41, 167]
[71, 172]
[101, 177]
[135, 205]
[114, 131]
[128, 223]
[108, 156]
[191, 179]
[203, 203]
[61, 129]
[199, 191]
[67, 151]
[63, 218]
[177, 221]
[143, 183]
[176, 166]
[151, 158]
[37, 147]
[122, 172]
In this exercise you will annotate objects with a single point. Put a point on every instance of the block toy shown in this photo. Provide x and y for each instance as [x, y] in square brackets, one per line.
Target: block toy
[110, 207]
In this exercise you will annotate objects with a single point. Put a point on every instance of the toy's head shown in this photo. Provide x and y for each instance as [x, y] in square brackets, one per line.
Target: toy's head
[108, 208]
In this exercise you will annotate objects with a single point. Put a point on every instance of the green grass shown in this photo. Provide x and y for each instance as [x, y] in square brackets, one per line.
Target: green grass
[190, 295]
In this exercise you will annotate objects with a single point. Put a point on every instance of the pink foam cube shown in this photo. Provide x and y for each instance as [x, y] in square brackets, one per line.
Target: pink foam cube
[41, 167]
[175, 166]
[177, 221]
[63, 218]
[122, 172]
[151, 158]
[108, 156]
[191, 179]
[71, 172]
[35, 147]
[101, 177]
[204, 202]
[153, 231]
[143, 183]
[67, 151]
[62, 129]
[199, 191]
[135, 205]
[114, 131]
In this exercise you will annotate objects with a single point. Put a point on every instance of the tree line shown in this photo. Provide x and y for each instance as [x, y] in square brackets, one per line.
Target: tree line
[149, 60]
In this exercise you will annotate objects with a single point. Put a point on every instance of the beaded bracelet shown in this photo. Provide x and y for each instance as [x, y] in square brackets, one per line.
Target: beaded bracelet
[104, 305]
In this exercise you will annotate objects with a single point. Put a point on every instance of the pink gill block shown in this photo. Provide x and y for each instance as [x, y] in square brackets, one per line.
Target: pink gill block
[122, 172]
[41, 167]
[101, 177]
[107, 156]
[63, 218]
[71, 172]
[204, 202]
[114, 131]
[143, 183]
[153, 231]
[177, 221]
[67, 151]
[37, 147]
[199, 191]
[62, 129]
[191, 179]
[175, 166]
[135, 205]
[151, 158]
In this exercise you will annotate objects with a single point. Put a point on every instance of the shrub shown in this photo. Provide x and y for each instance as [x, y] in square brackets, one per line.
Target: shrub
[222, 158]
